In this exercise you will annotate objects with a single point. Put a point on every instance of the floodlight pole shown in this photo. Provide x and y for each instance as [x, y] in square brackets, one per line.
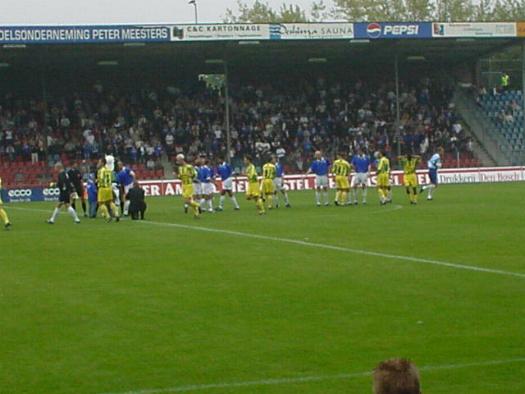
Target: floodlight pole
[227, 113]
[398, 116]
[194, 3]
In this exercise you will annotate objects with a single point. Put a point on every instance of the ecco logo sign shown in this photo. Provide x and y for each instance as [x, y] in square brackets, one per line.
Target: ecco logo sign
[20, 193]
[51, 192]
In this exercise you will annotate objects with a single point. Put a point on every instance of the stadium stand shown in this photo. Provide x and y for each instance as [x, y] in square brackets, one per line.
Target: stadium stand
[297, 117]
[505, 111]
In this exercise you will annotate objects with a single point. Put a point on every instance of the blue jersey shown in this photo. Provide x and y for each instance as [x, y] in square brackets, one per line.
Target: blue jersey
[225, 171]
[361, 163]
[204, 174]
[320, 167]
[124, 177]
[91, 190]
[279, 170]
[435, 162]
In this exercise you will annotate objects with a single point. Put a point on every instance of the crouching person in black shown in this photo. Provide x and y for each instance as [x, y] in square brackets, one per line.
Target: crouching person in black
[137, 203]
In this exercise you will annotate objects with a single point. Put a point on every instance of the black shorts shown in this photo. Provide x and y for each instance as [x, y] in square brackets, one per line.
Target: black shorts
[64, 197]
[79, 189]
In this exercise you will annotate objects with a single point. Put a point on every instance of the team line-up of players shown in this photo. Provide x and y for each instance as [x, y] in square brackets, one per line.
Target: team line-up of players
[113, 188]
[198, 187]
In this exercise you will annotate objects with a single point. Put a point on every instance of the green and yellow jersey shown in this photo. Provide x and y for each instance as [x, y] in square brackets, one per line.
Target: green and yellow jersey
[341, 167]
[383, 166]
[269, 171]
[104, 178]
[187, 174]
[251, 173]
[409, 165]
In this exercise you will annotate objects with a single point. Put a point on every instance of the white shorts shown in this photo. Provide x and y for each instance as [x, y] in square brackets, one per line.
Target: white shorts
[127, 188]
[207, 188]
[360, 178]
[321, 181]
[227, 184]
[197, 189]
[278, 183]
[116, 192]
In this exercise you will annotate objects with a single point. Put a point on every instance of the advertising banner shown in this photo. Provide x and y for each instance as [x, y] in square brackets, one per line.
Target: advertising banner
[160, 188]
[520, 29]
[82, 34]
[30, 194]
[301, 182]
[474, 30]
[218, 32]
[312, 31]
[387, 30]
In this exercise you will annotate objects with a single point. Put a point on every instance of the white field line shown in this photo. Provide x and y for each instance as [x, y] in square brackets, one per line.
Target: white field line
[307, 379]
[316, 245]
[338, 248]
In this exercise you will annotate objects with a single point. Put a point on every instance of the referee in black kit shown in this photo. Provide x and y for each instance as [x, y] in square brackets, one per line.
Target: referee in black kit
[66, 188]
[75, 176]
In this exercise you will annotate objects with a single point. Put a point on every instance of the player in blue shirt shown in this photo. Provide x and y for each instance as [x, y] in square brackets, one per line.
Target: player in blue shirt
[225, 173]
[434, 164]
[279, 184]
[320, 167]
[92, 194]
[125, 178]
[205, 177]
[362, 164]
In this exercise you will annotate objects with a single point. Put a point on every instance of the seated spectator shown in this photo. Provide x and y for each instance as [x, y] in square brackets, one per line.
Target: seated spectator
[396, 376]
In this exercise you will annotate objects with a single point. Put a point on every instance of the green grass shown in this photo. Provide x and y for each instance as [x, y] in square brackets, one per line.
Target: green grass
[102, 307]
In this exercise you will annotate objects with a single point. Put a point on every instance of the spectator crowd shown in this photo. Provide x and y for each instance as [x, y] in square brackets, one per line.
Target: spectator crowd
[291, 119]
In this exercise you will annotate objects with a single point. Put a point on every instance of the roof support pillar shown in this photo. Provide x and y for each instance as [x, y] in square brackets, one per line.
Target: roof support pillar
[398, 112]
[523, 81]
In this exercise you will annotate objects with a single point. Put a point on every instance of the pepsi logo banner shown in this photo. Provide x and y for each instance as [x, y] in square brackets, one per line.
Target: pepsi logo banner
[394, 30]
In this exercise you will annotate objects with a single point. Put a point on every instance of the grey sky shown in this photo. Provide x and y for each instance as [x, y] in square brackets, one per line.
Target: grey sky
[117, 11]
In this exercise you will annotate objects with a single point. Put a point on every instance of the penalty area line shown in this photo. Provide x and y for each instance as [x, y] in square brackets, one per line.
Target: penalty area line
[308, 379]
[338, 248]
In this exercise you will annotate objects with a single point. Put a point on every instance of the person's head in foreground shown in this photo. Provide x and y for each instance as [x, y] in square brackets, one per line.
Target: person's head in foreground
[396, 376]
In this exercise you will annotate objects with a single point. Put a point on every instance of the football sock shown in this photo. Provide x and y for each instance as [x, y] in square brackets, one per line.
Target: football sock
[286, 201]
[269, 197]
[344, 197]
[104, 211]
[3, 216]
[260, 205]
[114, 209]
[73, 214]
[55, 214]
[195, 206]
[318, 197]
[235, 203]
[221, 201]
[326, 197]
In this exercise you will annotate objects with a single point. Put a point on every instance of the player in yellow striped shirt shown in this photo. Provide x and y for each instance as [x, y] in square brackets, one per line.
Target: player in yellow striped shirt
[268, 187]
[383, 178]
[253, 192]
[105, 189]
[3, 213]
[187, 174]
[341, 169]
[409, 164]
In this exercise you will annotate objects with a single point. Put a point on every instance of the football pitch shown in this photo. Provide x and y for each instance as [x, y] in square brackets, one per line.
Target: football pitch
[301, 300]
